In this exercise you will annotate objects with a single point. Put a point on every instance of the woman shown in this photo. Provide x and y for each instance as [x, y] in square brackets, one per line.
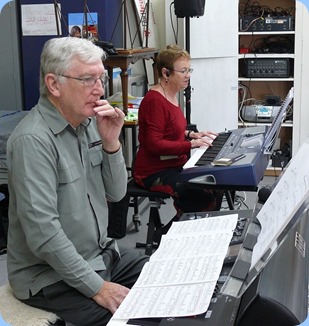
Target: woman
[164, 141]
[76, 31]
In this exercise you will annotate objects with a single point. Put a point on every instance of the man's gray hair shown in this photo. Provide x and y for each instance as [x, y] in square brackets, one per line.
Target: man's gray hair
[58, 53]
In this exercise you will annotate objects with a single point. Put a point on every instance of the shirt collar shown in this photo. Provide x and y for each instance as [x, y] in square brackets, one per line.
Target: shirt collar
[53, 118]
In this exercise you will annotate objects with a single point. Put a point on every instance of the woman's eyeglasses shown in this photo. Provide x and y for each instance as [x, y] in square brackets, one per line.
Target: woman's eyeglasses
[185, 71]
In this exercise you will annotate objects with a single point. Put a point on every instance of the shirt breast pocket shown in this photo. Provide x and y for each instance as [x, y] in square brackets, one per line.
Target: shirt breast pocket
[96, 157]
[68, 174]
[71, 190]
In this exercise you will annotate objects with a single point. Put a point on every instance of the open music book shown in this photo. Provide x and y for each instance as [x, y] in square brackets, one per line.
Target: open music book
[273, 131]
[181, 275]
[285, 206]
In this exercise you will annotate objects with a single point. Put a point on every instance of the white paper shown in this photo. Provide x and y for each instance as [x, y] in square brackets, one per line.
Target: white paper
[39, 19]
[288, 195]
[176, 301]
[180, 277]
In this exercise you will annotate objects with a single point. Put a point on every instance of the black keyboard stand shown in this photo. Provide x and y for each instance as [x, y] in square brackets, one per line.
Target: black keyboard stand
[230, 196]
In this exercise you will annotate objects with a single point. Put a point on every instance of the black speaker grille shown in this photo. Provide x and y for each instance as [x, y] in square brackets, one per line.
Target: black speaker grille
[189, 8]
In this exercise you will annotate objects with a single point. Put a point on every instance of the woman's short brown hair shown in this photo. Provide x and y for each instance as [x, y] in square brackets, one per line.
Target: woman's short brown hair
[167, 57]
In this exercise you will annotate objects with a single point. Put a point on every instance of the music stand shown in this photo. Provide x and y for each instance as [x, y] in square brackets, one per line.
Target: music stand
[59, 17]
[138, 21]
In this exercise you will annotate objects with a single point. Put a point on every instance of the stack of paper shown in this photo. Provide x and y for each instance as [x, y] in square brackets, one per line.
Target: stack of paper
[180, 278]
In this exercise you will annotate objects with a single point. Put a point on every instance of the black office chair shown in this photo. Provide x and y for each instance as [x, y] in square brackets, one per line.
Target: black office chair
[137, 196]
[156, 199]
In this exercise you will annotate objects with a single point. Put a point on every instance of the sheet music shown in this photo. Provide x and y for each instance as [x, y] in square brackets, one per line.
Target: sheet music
[181, 275]
[288, 195]
[274, 129]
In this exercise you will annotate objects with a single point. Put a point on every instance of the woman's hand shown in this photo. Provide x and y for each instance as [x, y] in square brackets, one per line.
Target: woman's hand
[203, 138]
[197, 135]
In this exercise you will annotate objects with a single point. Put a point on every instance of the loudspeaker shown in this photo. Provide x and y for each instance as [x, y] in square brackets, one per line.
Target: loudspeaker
[263, 194]
[273, 100]
[189, 8]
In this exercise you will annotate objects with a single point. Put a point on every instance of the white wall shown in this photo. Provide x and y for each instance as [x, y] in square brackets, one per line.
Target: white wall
[213, 47]
[215, 33]
[301, 78]
[214, 97]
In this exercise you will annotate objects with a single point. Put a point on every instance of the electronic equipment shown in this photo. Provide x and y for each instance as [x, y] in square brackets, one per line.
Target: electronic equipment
[256, 143]
[246, 172]
[107, 47]
[267, 283]
[265, 68]
[192, 8]
[277, 296]
[259, 113]
[273, 44]
[273, 100]
[268, 23]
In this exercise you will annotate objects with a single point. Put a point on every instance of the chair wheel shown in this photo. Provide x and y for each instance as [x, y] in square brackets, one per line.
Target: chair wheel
[137, 226]
[137, 222]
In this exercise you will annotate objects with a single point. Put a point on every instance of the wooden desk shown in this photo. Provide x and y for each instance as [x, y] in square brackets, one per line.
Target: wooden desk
[122, 60]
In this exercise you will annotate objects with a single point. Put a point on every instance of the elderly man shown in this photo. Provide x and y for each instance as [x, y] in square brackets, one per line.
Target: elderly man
[64, 162]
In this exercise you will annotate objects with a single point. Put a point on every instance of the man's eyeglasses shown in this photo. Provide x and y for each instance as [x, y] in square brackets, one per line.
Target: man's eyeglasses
[90, 81]
[185, 71]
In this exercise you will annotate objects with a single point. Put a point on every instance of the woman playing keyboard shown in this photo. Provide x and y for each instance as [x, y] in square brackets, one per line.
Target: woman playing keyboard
[165, 143]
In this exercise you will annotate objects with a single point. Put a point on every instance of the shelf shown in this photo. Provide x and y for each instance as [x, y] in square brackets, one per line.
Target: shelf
[289, 79]
[267, 33]
[265, 55]
[296, 43]
[272, 172]
[253, 124]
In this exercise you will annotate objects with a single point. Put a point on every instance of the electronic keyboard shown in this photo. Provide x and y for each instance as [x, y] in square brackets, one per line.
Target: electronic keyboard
[248, 171]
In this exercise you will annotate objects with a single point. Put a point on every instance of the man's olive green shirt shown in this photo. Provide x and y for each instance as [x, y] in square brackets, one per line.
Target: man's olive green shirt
[59, 178]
